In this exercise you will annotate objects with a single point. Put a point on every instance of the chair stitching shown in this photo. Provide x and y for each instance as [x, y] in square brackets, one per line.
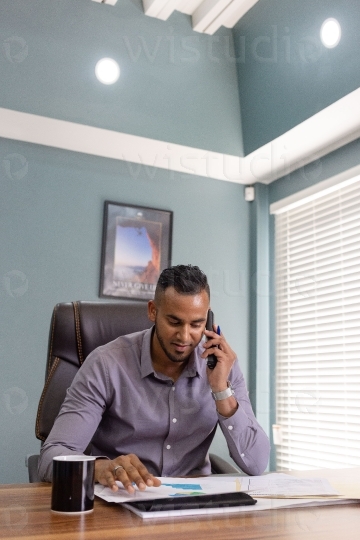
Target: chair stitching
[51, 340]
[37, 428]
[78, 333]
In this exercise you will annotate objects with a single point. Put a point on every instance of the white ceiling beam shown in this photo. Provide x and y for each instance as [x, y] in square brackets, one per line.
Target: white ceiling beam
[145, 153]
[189, 6]
[239, 12]
[207, 15]
[169, 9]
[321, 134]
[108, 2]
[152, 8]
[230, 15]
[161, 9]
[207, 12]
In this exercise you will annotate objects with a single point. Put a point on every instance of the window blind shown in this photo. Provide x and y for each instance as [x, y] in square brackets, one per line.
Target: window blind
[317, 259]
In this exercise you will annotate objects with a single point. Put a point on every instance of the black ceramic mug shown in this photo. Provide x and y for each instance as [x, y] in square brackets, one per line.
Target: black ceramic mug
[73, 484]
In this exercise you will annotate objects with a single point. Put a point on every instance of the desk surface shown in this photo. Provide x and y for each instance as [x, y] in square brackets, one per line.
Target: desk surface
[25, 513]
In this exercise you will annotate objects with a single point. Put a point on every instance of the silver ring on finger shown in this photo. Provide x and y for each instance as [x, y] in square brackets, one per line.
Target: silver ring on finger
[116, 468]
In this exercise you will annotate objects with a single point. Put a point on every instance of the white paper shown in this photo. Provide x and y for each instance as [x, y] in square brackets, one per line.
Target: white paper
[270, 485]
[262, 504]
[284, 485]
[172, 487]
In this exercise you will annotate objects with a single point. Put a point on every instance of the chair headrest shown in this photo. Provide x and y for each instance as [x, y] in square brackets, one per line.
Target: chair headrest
[80, 327]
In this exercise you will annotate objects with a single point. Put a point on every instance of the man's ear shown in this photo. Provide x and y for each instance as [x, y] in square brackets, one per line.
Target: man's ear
[151, 310]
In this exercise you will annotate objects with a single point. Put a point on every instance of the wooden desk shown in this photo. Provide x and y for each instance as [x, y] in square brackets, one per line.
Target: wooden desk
[25, 513]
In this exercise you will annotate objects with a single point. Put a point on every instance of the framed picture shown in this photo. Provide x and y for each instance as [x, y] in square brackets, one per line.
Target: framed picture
[136, 248]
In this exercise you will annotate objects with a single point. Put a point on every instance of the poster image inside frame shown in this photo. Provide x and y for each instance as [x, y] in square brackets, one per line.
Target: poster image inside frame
[136, 248]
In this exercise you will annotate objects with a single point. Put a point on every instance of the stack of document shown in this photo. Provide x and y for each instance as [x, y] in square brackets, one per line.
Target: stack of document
[283, 485]
[275, 490]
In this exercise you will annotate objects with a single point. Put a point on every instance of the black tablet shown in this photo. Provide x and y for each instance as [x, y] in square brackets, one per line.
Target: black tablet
[221, 500]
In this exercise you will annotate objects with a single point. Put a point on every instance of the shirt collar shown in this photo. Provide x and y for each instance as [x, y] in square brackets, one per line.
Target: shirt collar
[195, 366]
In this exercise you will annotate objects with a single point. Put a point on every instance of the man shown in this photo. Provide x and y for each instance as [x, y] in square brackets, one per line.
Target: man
[149, 404]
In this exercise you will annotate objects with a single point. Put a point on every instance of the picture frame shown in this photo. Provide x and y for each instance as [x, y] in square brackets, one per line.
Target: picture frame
[136, 247]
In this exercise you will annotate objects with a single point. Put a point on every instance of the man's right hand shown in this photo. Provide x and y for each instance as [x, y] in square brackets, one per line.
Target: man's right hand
[128, 470]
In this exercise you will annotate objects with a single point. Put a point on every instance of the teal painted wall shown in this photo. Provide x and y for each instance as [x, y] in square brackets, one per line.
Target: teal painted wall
[51, 212]
[285, 74]
[176, 85]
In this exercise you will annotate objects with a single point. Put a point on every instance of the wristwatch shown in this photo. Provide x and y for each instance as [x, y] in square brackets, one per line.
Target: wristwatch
[224, 393]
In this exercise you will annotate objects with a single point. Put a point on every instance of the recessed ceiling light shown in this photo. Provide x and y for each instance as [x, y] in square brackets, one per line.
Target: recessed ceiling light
[330, 33]
[107, 71]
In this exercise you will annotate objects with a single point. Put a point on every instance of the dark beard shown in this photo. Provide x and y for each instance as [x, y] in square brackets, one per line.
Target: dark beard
[170, 356]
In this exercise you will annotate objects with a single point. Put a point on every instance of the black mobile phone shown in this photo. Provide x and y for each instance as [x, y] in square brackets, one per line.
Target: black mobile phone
[211, 359]
[221, 500]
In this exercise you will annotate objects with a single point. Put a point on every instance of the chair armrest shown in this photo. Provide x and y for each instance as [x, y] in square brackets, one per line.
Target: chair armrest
[32, 464]
[220, 466]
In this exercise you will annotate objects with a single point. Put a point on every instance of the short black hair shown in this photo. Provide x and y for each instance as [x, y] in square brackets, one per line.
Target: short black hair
[186, 279]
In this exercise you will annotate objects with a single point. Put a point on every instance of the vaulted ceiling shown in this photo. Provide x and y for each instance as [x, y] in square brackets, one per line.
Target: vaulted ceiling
[331, 125]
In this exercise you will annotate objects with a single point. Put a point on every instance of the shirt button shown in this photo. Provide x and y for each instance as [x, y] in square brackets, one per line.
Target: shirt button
[173, 388]
[174, 420]
[230, 428]
[168, 446]
[242, 455]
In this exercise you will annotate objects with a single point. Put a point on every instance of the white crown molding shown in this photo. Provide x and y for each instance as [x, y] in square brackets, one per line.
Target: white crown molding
[122, 146]
[310, 140]
[324, 132]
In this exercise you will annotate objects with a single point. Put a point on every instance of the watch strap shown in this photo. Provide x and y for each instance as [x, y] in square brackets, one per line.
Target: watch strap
[223, 394]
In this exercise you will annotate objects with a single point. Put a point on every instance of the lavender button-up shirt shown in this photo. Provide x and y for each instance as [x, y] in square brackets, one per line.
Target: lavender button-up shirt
[119, 403]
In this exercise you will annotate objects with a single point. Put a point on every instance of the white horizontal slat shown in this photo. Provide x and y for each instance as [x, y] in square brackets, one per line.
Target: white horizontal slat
[308, 368]
[343, 271]
[318, 212]
[322, 237]
[303, 311]
[350, 356]
[328, 441]
[289, 205]
[319, 318]
[322, 258]
[317, 252]
[305, 225]
[304, 229]
[306, 331]
[304, 295]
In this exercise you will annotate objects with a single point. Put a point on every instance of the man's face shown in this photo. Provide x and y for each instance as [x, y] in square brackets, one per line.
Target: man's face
[179, 323]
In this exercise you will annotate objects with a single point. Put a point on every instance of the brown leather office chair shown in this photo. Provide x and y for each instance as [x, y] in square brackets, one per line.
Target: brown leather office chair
[76, 329]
